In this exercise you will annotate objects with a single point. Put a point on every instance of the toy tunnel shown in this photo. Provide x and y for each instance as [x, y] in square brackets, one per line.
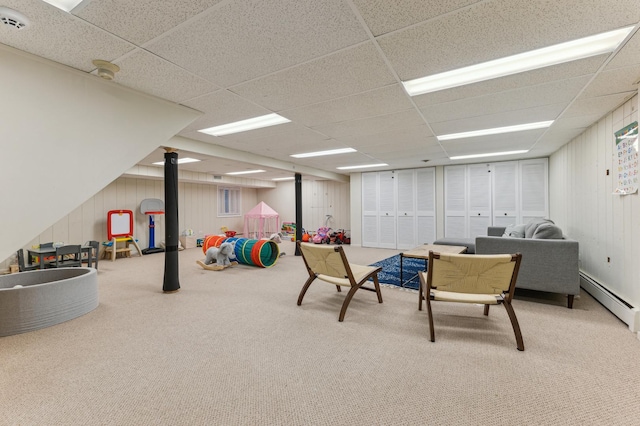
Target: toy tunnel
[212, 241]
[262, 253]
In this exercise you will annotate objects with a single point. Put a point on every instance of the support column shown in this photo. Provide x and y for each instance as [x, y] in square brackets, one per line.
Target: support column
[298, 211]
[171, 279]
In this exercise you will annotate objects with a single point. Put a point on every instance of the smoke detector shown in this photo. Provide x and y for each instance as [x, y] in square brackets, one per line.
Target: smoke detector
[106, 69]
[13, 18]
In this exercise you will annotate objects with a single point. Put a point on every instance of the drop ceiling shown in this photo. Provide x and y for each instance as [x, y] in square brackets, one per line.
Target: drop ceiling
[335, 67]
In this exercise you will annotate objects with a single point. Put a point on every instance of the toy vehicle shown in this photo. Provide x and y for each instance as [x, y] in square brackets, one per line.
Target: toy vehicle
[322, 236]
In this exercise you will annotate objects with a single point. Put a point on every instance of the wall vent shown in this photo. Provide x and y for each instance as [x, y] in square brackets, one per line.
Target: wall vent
[217, 177]
[13, 18]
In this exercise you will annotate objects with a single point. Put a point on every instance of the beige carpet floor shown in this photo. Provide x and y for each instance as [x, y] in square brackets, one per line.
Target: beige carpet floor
[233, 348]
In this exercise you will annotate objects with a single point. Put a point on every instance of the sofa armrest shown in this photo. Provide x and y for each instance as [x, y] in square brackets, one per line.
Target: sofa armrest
[495, 231]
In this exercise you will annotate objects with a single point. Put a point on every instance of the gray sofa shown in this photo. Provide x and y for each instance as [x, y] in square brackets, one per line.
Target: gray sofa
[548, 264]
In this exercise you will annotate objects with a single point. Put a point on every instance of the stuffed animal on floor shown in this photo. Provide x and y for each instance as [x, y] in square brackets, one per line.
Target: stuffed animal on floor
[218, 258]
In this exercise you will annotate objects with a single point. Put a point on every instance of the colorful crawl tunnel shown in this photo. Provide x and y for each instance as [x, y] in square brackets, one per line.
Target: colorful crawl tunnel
[212, 241]
[262, 253]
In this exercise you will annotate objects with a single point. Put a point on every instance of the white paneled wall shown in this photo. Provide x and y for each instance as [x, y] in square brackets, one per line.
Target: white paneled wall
[319, 199]
[584, 206]
[197, 210]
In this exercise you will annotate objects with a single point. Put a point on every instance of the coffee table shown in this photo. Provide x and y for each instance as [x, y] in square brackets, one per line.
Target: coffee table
[422, 252]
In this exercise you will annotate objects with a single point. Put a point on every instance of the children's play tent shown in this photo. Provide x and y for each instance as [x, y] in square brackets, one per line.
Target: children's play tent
[261, 221]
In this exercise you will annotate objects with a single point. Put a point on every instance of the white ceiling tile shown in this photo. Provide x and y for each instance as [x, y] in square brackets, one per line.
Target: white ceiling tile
[386, 100]
[495, 29]
[393, 140]
[596, 106]
[61, 37]
[373, 125]
[518, 99]
[616, 80]
[151, 74]
[628, 55]
[141, 20]
[341, 74]
[383, 16]
[256, 38]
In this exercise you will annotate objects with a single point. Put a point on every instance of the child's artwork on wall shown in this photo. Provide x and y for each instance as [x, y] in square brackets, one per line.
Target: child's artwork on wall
[626, 160]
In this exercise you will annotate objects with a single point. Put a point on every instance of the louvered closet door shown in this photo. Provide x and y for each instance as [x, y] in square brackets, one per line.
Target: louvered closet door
[406, 190]
[455, 203]
[534, 184]
[505, 193]
[387, 211]
[426, 205]
[370, 209]
[479, 184]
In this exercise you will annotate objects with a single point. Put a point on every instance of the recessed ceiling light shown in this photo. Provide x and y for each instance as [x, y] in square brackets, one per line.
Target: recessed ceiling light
[527, 61]
[496, 130]
[180, 161]
[363, 166]
[492, 154]
[320, 153]
[246, 172]
[66, 5]
[244, 125]
[285, 178]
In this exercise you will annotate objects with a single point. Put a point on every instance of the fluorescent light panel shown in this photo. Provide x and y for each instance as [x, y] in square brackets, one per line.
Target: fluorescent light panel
[363, 166]
[244, 125]
[246, 172]
[496, 130]
[66, 5]
[285, 178]
[492, 154]
[321, 153]
[180, 161]
[527, 61]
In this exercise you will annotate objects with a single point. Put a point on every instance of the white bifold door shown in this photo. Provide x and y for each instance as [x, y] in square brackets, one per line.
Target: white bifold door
[495, 194]
[398, 208]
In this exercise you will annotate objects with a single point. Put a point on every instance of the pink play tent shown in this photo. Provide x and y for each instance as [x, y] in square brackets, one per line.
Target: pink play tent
[261, 221]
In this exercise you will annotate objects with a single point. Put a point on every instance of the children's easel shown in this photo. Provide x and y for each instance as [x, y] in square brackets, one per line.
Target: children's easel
[120, 230]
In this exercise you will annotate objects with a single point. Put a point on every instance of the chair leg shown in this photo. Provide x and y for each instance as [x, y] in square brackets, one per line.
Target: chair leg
[346, 302]
[420, 296]
[304, 289]
[338, 288]
[570, 301]
[431, 330]
[376, 284]
[486, 309]
[514, 324]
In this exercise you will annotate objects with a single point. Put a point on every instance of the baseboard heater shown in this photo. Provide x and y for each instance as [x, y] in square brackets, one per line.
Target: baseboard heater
[627, 313]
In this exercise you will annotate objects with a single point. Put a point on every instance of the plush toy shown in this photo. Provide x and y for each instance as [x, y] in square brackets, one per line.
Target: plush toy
[218, 258]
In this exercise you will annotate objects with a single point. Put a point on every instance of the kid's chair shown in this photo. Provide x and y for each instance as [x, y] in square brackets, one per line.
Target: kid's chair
[120, 230]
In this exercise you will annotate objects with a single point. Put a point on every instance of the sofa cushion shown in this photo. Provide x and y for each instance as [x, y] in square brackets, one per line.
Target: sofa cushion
[548, 231]
[514, 231]
[530, 228]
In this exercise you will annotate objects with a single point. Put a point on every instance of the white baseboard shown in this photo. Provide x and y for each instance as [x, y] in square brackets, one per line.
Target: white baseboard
[627, 313]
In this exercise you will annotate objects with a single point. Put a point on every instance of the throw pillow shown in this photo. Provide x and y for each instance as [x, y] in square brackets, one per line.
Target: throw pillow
[548, 231]
[530, 228]
[514, 231]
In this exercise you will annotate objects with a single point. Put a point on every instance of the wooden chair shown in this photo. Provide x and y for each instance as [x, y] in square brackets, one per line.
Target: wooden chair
[479, 279]
[67, 256]
[329, 264]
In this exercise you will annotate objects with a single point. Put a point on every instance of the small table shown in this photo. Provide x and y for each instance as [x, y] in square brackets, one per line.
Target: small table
[422, 252]
[41, 253]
